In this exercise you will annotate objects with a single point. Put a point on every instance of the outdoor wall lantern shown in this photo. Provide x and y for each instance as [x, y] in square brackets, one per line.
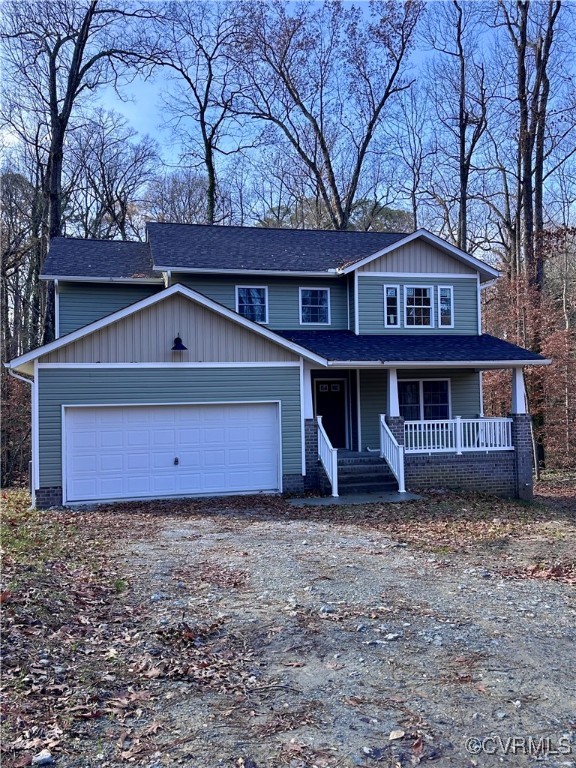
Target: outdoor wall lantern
[178, 346]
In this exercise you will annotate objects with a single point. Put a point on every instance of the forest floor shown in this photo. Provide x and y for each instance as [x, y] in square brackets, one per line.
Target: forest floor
[243, 632]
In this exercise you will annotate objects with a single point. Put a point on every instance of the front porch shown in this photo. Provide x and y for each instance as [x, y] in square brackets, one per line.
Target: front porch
[465, 452]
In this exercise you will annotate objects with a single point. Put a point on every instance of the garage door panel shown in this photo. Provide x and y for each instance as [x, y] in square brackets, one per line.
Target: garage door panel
[188, 437]
[162, 437]
[220, 449]
[138, 437]
[111, 438]
[111, 462]
[138, 461]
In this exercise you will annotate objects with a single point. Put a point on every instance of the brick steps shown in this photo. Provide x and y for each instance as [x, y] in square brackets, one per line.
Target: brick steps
[364, 473]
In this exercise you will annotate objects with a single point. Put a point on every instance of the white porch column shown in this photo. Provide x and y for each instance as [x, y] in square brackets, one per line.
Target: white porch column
[393, 405]
[307, 404]
[518, 391]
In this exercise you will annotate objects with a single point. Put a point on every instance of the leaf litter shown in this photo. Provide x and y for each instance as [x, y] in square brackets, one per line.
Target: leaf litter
[245, 632]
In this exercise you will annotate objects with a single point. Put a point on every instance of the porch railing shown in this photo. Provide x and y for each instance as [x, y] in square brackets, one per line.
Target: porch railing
[328, 456]
[458, 435]
[392, 453]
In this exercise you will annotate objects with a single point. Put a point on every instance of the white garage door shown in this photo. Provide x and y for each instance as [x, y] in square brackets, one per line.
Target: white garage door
[132, 452]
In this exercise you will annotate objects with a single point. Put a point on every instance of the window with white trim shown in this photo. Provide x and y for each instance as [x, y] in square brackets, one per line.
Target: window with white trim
[315, 306]
[418, 306]
[252, 302]
[445, 306]
[391, 306]
[424, 400]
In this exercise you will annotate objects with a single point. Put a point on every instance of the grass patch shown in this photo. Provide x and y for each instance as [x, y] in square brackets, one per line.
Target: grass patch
[29, 536]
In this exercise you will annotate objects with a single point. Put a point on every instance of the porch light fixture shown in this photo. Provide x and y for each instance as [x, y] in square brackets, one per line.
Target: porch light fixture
[178, 346]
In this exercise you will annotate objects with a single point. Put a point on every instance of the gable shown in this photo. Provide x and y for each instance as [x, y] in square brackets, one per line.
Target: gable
[147, 336]
[417, 257]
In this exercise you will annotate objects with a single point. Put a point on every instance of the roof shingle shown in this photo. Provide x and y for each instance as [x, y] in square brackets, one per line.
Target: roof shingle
[342, 346]
[201, 246]
[76, 257]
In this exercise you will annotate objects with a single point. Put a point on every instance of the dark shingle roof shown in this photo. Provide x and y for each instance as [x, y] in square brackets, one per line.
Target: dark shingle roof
[200, 246]
[453, 348]
[75, 257]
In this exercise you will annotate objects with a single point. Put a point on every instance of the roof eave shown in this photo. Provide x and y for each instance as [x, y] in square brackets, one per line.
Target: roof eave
[481, 364]
[87, 279]
[254, 272]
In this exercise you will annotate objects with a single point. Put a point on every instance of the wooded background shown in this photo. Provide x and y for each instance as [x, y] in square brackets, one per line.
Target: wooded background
[455, 116]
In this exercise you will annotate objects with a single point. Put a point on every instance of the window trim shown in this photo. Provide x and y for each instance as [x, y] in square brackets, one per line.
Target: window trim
[420, 383]
[314, 288]
[386, 323]
[432, 292]
[260, 288]
[451, 289]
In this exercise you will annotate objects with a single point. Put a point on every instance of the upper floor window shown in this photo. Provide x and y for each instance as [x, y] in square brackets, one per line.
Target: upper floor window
[418, 306]
[391, 306]
[445, 306]
[252, 303]
[315, 306]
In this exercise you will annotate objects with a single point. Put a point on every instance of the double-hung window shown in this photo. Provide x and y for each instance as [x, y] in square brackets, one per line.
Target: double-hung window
[424, 400]
[252, 303]
[391, 306]
[315, 306]
[418, 306]
[445, 306]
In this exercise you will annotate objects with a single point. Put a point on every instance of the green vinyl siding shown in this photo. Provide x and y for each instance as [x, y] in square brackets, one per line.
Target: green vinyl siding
[283, 296]
[464, 388]
[114, 386]
[371, 304]
[373, 395]
[83, 303]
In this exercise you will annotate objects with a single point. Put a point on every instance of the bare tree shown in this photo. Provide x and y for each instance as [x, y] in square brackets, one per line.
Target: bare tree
[56, 53]
[458, 91]
[323, 78]
[196, 39]
[177, 196]
[110, 168]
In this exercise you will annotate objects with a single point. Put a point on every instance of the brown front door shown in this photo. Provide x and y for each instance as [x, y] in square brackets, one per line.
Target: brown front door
[330, 403]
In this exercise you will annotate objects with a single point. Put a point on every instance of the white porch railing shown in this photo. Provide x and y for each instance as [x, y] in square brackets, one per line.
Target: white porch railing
[328, 456]
[458, 435]
[392, 453]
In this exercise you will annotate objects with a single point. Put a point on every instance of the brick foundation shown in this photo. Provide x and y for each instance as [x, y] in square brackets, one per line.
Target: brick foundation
[293, 484]
[522, 441]
[493, 473]
[48, 497]
[315, 479]
[396, 426]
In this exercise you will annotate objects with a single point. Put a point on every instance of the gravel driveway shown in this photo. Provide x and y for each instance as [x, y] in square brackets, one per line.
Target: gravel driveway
[327, 643]
[248, 634]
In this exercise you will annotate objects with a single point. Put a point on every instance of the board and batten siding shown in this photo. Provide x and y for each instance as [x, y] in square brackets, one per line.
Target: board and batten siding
[371, 304]
[464, 388]
[147, 336]
[84, 303]
[416, 257]
[283, 296]
[58, 387]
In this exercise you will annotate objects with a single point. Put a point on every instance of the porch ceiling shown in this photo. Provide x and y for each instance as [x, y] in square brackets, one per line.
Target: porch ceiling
[400, 350]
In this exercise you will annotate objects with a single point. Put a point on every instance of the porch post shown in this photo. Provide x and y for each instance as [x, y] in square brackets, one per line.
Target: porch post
[307, 404]
[518, 391]
[393, 409]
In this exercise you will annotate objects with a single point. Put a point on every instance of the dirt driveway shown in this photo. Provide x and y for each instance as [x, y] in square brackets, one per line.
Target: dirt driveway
[247, 633]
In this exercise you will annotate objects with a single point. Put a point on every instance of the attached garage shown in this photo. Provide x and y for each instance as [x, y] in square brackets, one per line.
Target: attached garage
[153, 451]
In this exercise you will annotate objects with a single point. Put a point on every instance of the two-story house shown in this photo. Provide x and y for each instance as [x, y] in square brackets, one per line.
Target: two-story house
[215, 360]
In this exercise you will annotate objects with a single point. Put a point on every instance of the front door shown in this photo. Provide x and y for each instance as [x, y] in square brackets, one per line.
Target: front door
[330, 403]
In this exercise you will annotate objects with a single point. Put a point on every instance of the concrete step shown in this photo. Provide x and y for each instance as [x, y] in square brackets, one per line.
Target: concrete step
[351, 470]
[347, 489]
